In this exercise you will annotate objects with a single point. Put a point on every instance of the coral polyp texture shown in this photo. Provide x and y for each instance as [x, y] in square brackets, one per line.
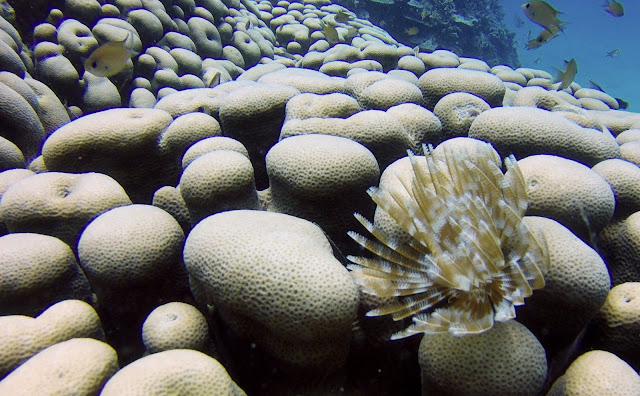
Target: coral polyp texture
[470, 259]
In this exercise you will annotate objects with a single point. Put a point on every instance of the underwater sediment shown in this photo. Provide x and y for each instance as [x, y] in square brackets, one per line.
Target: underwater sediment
[178, 187]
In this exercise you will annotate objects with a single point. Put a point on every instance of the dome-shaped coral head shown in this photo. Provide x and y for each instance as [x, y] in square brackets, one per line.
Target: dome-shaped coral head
[470, 258]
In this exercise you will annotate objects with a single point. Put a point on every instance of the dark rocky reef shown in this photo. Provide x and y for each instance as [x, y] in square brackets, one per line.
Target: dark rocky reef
[468, 28]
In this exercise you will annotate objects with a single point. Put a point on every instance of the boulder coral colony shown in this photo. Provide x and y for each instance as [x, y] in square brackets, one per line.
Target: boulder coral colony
[182, 224]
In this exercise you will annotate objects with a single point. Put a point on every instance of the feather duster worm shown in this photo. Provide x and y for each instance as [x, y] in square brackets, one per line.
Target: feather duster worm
[470, 258]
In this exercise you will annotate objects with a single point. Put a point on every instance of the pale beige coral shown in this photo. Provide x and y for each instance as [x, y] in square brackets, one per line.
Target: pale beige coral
[378, 131]
[121, 143]
[80, 366]
[389, 92]
[179, 371]
[211, 144]
[567, 192]
[457, 111]
[575, 287]
[620, 246]
[597, 373]
[274, 280]
[624, 179]
[593, 104]
[254, 114]
[421, 124]
[439, 58]
[304, 80]
[616, 120]
[506, 360]
[170, 200]
[186, 130]
[436, 83]
[309, 105]
[217, 181]
[540, 98]
[37, 271]
[59, 204]
[22, 337]
[524, 131]
[617, 326]
[631, 152]
[596, 94]
[628, 136]
[309, 176]
[21, 124]
[130, 245]
[175, 325]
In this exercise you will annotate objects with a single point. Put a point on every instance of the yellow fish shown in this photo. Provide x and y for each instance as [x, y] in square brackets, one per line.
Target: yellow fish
[543, 14]
[330, 33]
[565, 77]
[412, 31]
[542, 38]
[110, 58]
[614, 8]
[342, 17]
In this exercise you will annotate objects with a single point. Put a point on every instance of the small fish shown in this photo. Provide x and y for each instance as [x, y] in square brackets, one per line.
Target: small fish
[247, 25]
[110, 58]
[542, 38]
[330, 33]
[424, 13]
[362, 13]
[594, 85]
[614, 53]
[412, 31]
[342, 17]
[352, 32]
[518, 22]
[614, 8]
[565, 77]
[537, 61]
[543, 14]
[7, 12]
[211, 77]
[623, 104]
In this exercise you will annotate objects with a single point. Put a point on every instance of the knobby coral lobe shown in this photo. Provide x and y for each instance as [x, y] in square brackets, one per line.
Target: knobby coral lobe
[469, 259]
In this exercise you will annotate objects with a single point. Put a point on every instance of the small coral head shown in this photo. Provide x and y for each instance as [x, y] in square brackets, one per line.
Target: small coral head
[469, 259]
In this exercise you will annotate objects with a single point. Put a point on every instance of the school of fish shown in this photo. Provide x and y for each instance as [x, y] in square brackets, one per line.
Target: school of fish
[545, 15]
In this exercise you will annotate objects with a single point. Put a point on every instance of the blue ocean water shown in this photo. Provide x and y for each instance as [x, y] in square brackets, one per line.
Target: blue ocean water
[589, 35]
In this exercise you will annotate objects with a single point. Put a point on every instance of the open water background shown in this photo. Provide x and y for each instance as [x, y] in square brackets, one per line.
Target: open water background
[590, 33]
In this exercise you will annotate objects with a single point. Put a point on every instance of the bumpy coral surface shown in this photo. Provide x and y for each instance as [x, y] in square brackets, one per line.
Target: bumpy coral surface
[132, 131]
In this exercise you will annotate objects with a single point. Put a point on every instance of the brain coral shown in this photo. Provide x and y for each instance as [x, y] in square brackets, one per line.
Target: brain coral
[568, 192]
[309, 176]
[506, 360]
[597, 373]
[79, 365]
[121, 143]
[524, 131]
[617, 325]
[274, 280]
[436, 83]
[37, 271]
[179, 371]
[22, 337]
[576, 285]
[59, 204]
[175, 325]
